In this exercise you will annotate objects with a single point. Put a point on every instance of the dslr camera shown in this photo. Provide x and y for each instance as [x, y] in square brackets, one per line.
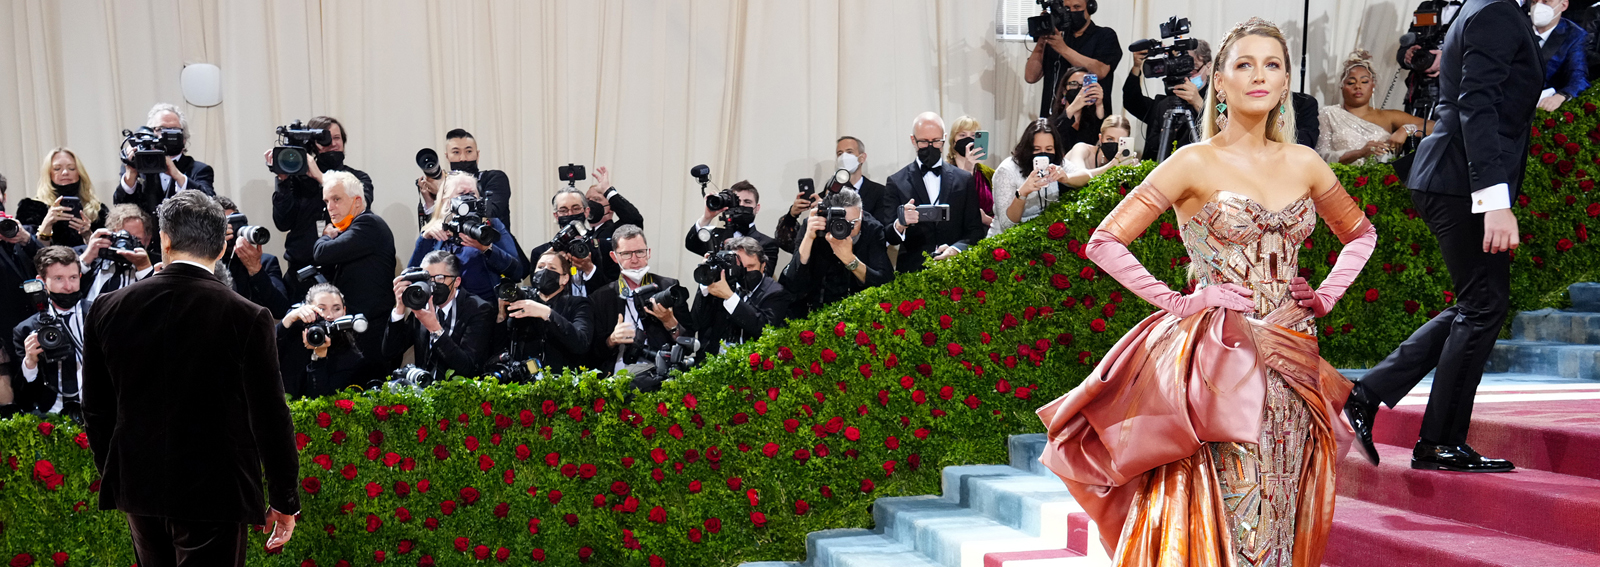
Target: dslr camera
[725, 264]
[121, 241]
[1056, 18]
[409, 376]
[295, 143]
[422, 289]
[655, 367]
[53, 337]
[428, 161]
[574, 241]
[1171, 63]
[9, 227]
[670, 298]
[309, 276]
[838, 223]
[469, 220]
[318, 333]
[257, 235]
[151, 147]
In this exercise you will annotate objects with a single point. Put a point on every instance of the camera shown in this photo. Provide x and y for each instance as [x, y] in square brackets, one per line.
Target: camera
[257, 235]
[151, 147]
[1427, 34]
[572, 174]
[1173, 64]
[657, 366]
[428, 161]
[670, 298]
[469, 220]
[53, 337]
[121, 241]
[838, 225]
[510, 292]
[720, 264]
[318, 333]
[295, 142]
[735, 218]
[9, 226]
[510, 371]
[410, 376]
[723, 199]
[1057, 18]
[310, 276]
[422, 289]
[574, 241]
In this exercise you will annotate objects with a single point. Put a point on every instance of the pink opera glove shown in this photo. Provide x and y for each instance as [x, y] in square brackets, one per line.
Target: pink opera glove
[1351, 259]
[1113, 257]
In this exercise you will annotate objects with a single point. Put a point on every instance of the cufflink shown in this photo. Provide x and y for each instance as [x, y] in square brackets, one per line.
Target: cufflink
[1480, 201]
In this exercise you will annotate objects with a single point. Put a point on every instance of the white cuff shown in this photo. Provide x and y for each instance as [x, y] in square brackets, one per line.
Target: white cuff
[145, 273]
[592, 269]
[29, 374]
[611, 193]
[730, 303]
[396, 317]
[1491, 198]
[704, 291]
[180, 187]
[124, 187]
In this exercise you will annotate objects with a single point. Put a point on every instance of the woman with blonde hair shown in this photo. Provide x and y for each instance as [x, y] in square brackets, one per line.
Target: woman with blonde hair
[1210, 434]
[1353, 132]
[483, 264]
[61, 179]
[1088, 161]
[960, 152]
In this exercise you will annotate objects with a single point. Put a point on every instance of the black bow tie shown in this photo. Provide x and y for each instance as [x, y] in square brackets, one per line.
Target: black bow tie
[935, 170]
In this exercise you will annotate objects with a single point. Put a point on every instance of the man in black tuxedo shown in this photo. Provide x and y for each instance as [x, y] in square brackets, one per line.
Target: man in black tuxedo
[930, 181]
[54, 379]
[451, 333]
[735, 312]
[597, 269]
[1464, 179]
[554, 329]
[297, 207]
[613, 209]
[739, 225]
[254, 273]
[827, 269]
[183, 171]
[105, 275]
[625, 324]
[850, 157]
[356, 254]
[181, 435]
[16, 266]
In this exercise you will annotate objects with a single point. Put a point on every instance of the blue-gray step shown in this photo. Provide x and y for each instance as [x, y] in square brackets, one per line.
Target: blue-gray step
[1542, 357]
[1557, 326]
[985, 509]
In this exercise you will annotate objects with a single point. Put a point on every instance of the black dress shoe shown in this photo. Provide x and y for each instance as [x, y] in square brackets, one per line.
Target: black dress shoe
[1459, 458]
[1360, 410]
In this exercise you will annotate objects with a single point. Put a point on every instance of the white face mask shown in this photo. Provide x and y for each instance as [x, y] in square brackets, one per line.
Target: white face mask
[849, 162]
[1543, 15]
[636, 275]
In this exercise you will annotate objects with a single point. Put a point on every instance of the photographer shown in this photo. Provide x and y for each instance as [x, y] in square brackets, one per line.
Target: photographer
[1419, 53]
[1075, 112]
[16, 266]
[255, 273]
[1087, 161]
[297, 208]
[462, 151]
[930, 181]
[739, 220]
[183, 171]
[336, 363]
[63, 205]
[554, 327]
[593, 263]
[850, 156]
[107, 262]
[1085, 45]
[356, 254]
[451, 332]
[829, 266]
[1151, 111]
[54, 377]
[1022, 189]
[732, 312]
[1561, 45]
[483, 263]
[626, 324]
[616, 210]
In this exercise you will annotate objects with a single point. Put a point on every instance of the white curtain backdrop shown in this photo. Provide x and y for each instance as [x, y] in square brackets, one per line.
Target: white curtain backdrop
[757, 89]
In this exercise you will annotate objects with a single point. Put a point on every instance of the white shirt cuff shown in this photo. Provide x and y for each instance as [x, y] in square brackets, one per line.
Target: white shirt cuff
[181, 186]
[145, 273]
[396, 317]
[590, 274]
[29, 374]
[1491, 198]
[124, 187]
[730, 303]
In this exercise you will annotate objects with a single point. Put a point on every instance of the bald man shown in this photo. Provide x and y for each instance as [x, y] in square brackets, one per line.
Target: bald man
[928, 180]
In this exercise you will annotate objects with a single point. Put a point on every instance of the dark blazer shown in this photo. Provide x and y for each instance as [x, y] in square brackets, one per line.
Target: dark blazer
[874, 203]
[16, 266]
[1489, 83]
[463, 348]
[480, 271]
[1307, 128]
[824, 280]
[767, 305]
[607, 303]
[769, 247]
[31, 212]
[201, 177]
[183, 404]
[297, 206]
[559, 343]
[360, 262]
[962, 230]
[606, 271]
[41, 394]
[266, 288]
[622, 212]
[1566, 66]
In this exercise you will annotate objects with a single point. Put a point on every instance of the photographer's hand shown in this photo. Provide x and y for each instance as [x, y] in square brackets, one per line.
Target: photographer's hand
[1138, 63]
[249, 254]
[21, 237]
[178, 178]
[844, 250]
[528, 308]
[1190, 94]
[814, 225]
[911, 215]
[666, 316]
[474, 244]
[400, 309]
[139, 257]
[267, 156]
[436, 233]
[622, 334]
[719, 289]
[584, 265]
[1433, 70]
[101, 239]
[316, 352]
[33, 350]
[1058, 43]
[313, 170]
[429, 317]
[303, 313]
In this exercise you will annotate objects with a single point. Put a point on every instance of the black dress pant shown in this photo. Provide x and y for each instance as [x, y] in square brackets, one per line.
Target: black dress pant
[166, 542]
[1458, 341]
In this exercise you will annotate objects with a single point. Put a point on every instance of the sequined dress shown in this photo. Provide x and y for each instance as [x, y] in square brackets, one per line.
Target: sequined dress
[1239, 427]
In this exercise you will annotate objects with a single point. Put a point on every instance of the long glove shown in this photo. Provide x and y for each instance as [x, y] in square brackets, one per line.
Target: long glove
[1113, 256]
[1350, 224]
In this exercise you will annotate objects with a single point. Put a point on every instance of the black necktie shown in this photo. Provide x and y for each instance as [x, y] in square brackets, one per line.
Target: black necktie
[68, 375]
[114, 282]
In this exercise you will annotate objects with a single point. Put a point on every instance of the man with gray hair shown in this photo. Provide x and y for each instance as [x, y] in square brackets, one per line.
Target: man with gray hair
[732, 310]
[828, 267]
[356, 254]
[450, 333]
[592, 266]
[183, 171]
[928, 180]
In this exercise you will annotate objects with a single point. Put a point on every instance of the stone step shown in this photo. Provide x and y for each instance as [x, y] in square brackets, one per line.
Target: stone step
[860, 548]
[1585, 296]
[1554, 325]
[1555, 359]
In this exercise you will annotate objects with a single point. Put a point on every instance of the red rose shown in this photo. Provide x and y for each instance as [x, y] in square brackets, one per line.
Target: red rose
[829, 356]
[1412, 307]
[989, 275]
[1563, 245]
[345, 405]
[801, 507]
[713, 525]
[402, 514]
[1086, 273]
[1548, 158]
[1371, 295]
[1571, 148]
[21, 560]
[481, 552]
[808, 337]
[852, 433]
[891, 443]
[866, 485]
[1371, 210]
[953, 348]
[1361, 181]
[1390, 179]
[658, 515]
[1057, 231]
[1000, 254]
[838, 330]
[571, 520]
[1060, 281]
[972, 402]
[1564, 166]
[1097, 325]
[759, 519]
[734, 483]
[311, 485]
[46, 427]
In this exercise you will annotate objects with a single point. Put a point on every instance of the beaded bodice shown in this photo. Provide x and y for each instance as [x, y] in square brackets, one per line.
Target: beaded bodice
[1234, 239]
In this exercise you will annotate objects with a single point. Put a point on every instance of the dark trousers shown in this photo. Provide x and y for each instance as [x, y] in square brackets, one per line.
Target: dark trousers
[166, 542]
[1458, 341]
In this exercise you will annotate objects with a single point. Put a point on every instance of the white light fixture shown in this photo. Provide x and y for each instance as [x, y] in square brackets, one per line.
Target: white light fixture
[202, 84]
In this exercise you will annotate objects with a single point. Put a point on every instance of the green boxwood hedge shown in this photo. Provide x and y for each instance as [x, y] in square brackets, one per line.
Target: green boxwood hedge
[797, 432]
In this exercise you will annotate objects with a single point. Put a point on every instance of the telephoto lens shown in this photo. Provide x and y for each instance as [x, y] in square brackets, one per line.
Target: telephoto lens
[420, 292]
[257, 235]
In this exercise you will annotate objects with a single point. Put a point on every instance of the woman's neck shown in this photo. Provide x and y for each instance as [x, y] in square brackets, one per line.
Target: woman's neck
[1244, 132]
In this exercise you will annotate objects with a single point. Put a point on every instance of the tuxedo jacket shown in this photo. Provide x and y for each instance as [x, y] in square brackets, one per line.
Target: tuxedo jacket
[768, 304]
[463, 347]
[769, 247]
[201, 177]
[608, 303]
[360, 262]
[876, 202]
[183, 404]
[1489, 82]
[963, 229]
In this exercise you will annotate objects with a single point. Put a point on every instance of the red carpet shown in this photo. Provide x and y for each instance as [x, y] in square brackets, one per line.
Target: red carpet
[1547, 513]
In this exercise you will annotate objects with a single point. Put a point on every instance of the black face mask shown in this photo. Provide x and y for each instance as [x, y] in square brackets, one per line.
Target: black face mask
[1069, 96]
[597, 211]
[68, 190]
[563, 221]
[441, 294]
[465, 166]
[1108, 150]
[66, 300]
[751, 280]
[328, 161]
[1076, 19]
[545, 281]
[928, 156]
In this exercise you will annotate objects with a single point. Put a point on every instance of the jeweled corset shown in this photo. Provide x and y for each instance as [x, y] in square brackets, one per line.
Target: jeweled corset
[1234, 239]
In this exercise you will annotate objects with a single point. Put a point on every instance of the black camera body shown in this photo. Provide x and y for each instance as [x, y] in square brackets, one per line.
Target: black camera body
[470, 220]
[53, 337]
[838, 223]
[422, 289]
[1427, 34]
[320, 332]
[1056, 18]
[409, 376]
[1173, 64]
[9, 227]
[151, 147]
[574, 241]
[655, 367]
[511, 292]
[511, 371]
[121, 241]
[723, 199]
[670, 298]
[257, 235]
[295, 144]
[310, 276]
[722, 264]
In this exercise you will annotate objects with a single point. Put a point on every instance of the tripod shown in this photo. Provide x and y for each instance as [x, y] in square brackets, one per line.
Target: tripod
[1174, 117]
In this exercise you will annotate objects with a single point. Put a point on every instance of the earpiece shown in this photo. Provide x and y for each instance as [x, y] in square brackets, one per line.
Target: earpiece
[1093, 6]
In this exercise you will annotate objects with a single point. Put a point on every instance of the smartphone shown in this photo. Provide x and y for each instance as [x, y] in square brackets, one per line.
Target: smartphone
[74, 205]
[1125, 146]
[933, 213]
[980, 140]
[808, 187]
[1040, 164]
[1090, 79]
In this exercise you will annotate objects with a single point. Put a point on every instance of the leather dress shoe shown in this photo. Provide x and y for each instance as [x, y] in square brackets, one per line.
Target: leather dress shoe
[1361, 409]
[1459, 458]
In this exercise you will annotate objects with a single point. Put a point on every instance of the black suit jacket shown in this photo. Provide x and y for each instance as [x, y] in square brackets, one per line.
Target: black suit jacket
[962, 230]
[201, 177]
[266, 288]
[622, 212]
[607, 303]
[769, 247]
[183, 404]
[360, 262]
[606, 270]
[823, 279]
[41, 394]
[767, 305]
[1489, 83]
[558, 344]
[297, 206]
[320, 377]
[463, 348]
[876, 202]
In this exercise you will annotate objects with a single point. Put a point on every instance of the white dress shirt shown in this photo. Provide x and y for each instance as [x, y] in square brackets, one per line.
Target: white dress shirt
[75, 331]
[165, 181]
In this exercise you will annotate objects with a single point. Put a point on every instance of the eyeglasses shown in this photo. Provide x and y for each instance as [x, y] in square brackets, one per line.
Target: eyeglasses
[633, 254]
[564, 211]
[936, 142]
[444, 278]
[1074, 84]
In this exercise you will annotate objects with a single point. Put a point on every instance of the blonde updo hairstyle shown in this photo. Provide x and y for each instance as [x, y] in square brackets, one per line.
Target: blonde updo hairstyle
[1276, 131]
[1358, 58]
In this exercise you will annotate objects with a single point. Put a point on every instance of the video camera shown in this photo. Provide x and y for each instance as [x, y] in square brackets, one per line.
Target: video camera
[257, 235]
[422, 289]
[1426, 33]
[469, 220]
[318, 333]
[151, 148]
[121, 241]
[53, 337]
[309, 276]
[295, 142]
[1171, 63]
[1056, 18]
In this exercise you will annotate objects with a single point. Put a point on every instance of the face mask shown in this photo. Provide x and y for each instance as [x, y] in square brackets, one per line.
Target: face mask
[750, 280]
[68, 190]
[1199, 82]
[597, 211]
[546, 281]
[563, 221]
[1072, 94]
[1543, 14]
[928, 156]
[636, 275]
[441, 293]
[344, 223]
[1108, 150]
[849, 162]
[465, 166]
[328, 161]
[66, 299]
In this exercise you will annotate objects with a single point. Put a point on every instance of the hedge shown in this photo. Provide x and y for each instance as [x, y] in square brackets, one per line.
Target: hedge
[800, 431]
